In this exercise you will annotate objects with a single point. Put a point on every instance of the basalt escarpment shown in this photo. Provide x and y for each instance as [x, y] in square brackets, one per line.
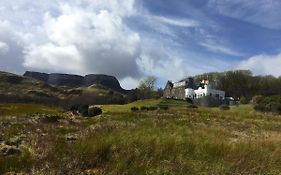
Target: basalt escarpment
[77, 80]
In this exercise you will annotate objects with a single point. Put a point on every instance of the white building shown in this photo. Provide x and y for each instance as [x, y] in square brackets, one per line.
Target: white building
[205, 91]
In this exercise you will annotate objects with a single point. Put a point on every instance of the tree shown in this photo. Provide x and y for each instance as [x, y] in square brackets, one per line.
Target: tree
[148, 83]
[147, 87]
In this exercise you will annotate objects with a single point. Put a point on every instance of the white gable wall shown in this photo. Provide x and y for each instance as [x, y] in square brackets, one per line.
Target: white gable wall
[202, 92]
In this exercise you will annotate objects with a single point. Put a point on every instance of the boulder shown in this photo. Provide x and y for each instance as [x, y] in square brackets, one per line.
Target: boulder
[15, 141]
[7, 150]
[94, 111]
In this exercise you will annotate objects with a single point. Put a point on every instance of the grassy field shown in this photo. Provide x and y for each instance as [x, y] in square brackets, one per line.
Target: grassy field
[26, 109]
[180, 140]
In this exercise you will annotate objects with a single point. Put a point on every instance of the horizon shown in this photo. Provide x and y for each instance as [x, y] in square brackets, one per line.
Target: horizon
[133, 39]
[157, 83]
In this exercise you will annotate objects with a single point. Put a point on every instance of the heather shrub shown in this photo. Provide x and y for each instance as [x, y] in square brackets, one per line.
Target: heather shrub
[152, 108]
[192, 106]
[144, 108]
[94, 111]
[163, 107]
[134, 108]
[224, 107]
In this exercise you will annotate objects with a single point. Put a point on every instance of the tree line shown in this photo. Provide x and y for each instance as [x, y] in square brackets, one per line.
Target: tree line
[242, 83]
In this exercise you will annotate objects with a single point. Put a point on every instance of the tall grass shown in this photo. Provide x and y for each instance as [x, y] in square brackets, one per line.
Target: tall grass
[11, 109]
[175, 141]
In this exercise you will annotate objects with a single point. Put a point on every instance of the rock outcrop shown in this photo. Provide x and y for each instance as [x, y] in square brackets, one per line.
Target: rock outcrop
[76, 80]
[37, 75]
[65, 80]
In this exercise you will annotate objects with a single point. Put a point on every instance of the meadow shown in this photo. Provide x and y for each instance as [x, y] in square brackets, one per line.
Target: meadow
[180, 140]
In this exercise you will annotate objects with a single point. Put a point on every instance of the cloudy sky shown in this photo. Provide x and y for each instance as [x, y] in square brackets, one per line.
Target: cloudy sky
[131, 39]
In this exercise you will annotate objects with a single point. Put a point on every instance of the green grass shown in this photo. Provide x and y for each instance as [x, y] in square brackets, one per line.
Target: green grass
[22, 161]
[180, 140]
[11, 109]
[149, 102]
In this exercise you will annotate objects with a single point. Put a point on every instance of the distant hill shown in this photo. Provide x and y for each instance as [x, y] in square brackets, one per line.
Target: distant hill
[57, 89]
[75, 81]
[15, 88]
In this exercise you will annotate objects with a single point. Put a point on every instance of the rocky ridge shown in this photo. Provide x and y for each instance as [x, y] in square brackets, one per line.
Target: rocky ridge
[76, 80]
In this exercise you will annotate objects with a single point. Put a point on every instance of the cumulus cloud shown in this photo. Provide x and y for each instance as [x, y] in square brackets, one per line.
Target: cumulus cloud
[84, 42]
[11, 47]
[263, 65]
[4, 48]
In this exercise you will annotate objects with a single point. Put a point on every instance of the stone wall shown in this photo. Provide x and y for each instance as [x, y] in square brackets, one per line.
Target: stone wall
[175, 93]
[178, 93]
[168, 90]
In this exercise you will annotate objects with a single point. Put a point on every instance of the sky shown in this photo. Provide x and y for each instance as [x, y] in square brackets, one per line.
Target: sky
[132, 39]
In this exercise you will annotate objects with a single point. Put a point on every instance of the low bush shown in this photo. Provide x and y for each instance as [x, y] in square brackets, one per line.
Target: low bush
[94, 111]
[152, 108]
[163, 107]
[192, 106]
[224, 107]
[83, 110]
[244, 100]
[261, 108]
[134, 108]
[189, 101]
[258, 99]
[144, 108]
[269, 104]
[148, 108]
[51, 118]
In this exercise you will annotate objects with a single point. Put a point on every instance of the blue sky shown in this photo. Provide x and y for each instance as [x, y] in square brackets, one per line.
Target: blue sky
[132, 39]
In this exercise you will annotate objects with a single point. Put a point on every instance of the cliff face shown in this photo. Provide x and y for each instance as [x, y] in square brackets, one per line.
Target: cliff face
[65, 80]
[105, 80]
[76, 80]
[37, 75]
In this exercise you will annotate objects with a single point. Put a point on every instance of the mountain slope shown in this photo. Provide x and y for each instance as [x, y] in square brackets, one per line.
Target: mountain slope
[77, 80]
[15, 88]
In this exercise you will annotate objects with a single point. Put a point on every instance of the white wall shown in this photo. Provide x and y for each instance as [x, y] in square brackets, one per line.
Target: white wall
[202, 92]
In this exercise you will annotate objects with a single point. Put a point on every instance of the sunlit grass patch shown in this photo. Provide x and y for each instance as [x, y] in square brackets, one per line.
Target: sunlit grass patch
[11, 109]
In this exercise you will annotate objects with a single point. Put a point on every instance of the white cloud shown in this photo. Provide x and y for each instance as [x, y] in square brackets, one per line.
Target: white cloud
[4, 48]
[214, 47]
[50, 57]
[176, 22]
[168, 68]
[11, 46]
[263, 65]
[86, 41]
[265, 13]
[129, 83]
